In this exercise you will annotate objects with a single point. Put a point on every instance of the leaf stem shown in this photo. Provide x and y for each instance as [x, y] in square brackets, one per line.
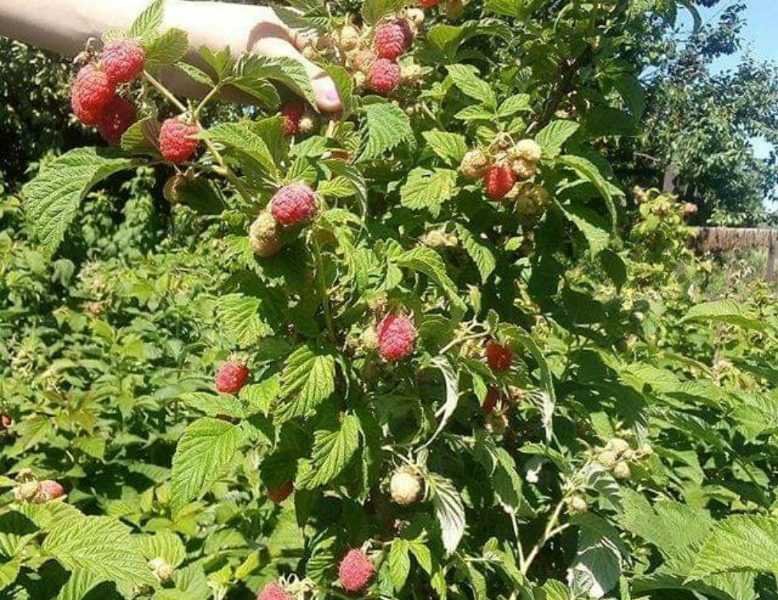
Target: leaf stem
[205, 100]
[550, 531]
[325, 299]
[165, 92]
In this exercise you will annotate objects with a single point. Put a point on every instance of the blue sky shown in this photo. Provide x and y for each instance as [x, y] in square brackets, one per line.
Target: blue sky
[761, 39]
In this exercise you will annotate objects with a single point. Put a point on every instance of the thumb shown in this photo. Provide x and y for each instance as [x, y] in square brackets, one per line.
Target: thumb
[324, 90]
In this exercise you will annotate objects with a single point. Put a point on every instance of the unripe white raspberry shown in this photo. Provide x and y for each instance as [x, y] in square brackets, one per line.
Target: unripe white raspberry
[162, 569]
[622, 471]
[529, 150]
[348, 37]
[369, 339]
[607, 458]
[577, 504]
[474, 164]
[26, 491]
[524, 169]
[618, 445]
[405, 487]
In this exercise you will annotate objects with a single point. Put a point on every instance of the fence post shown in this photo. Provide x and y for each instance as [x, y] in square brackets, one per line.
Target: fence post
[770, 276]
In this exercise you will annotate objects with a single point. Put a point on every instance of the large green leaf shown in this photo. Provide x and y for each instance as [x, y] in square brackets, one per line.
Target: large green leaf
[429, 262]
[53, 197]
[241, 138]
[429, 189]
[722, 311]
[332, 451]
[387, 127]
[451, 147]
[466, 78]
[206, 449]
[241, 319]
[100, 547]
[553, 136]
[307, 380]
[449, 510]
[739, 543]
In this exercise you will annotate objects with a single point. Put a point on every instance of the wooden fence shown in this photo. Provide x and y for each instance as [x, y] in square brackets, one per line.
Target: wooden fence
[723, 239]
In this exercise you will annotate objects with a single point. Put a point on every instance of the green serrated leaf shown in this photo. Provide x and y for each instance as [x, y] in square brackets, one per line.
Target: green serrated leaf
[387, 127]
[344, 85]
[466, 78]
[241, 320]
[253, 71]
[148, 22]
[429, 189]
[142, 137]
[722, 311]
[480, 253]
[168, 48]
[101, 547]
[429, 262]
[206, 449]
[451, 147]
[375, 10]
[514, 104]
[53, 197]
[592, 225]
[307, 380]
[332, 451]
[241, 138]
[553, 136]
[399, 563]
[449, 510]
[78, 585]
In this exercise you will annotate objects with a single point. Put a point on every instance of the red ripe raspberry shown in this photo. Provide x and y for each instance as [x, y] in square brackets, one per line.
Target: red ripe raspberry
[49, 490]
[392, 39]
[281, 493]
[122, 61]
[273, 591]
[499, 180]
[116, 119]
[175, 140]
[493, 396]
[292, 112]
[90, 94]
[293, 204]
[231, 377]
[429, 3]
[396, 337]
[355, 571]
[498, 357]
[384, 76]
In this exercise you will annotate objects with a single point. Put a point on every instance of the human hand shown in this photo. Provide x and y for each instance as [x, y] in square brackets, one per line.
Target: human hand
[255, 29]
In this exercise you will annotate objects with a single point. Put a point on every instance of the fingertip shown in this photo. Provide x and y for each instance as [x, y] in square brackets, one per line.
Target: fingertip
[327, 97]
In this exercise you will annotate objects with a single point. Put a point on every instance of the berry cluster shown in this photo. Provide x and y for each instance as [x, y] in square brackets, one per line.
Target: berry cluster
[99, 101]
[371, 55]
[502, 166]
[617, 455]
[94, 96]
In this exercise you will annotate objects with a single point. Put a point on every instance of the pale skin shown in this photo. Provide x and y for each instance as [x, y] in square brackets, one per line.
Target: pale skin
[64, 26]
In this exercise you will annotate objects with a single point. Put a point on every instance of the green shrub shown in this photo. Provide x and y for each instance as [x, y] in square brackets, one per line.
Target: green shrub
[569, 421]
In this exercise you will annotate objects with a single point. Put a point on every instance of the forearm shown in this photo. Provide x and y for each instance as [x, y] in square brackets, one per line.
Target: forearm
[64, 26]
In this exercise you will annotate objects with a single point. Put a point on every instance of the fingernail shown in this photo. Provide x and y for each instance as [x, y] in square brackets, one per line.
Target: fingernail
[332, 95]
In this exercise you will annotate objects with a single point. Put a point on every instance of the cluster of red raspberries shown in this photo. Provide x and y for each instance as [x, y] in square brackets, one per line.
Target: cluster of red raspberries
[94, 96]
[97, 101]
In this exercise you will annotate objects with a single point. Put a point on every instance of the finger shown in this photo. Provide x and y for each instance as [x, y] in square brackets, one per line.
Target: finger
[327, 98]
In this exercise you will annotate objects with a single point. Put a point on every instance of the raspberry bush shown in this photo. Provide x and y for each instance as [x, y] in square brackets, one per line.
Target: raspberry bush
[427, 347]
